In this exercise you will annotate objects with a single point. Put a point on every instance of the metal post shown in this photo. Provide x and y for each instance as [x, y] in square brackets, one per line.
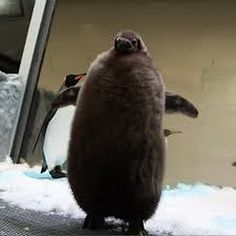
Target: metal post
[30, 68]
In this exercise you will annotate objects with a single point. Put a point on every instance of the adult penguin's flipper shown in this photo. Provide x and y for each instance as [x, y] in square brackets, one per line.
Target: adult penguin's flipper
[178, 104]
[44, 126]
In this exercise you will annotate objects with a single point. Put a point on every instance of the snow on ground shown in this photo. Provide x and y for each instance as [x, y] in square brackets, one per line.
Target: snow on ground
[183, 210]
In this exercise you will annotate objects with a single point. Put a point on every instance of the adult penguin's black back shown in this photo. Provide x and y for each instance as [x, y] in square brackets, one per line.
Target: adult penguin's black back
[117, 149]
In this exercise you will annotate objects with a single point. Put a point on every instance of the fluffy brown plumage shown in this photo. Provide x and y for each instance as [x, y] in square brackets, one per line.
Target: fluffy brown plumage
[116, 153]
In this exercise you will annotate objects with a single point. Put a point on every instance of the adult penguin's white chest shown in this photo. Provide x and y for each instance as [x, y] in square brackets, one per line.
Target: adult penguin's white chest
[57, 137]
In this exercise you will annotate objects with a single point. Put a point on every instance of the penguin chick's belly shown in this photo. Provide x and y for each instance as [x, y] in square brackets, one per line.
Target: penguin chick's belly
[57, 137]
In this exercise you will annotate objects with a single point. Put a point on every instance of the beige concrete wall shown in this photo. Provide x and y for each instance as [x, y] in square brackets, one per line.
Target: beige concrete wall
[194, 45]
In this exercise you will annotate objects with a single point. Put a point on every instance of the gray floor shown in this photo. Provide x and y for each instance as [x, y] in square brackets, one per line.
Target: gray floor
[15, 221]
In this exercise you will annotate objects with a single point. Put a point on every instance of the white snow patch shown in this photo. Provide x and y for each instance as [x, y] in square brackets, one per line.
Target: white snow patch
[28, 189]
[184, 210]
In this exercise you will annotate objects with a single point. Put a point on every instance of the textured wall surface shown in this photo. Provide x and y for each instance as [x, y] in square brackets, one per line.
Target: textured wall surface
[10, 92]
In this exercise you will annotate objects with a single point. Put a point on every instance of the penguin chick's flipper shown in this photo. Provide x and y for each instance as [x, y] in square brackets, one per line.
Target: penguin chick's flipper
[66, 97]
[57, 173]
[168, 132]
[176, 103]
[93, 222]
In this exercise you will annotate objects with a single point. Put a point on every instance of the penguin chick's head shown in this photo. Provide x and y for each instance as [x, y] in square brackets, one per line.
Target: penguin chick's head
[128, 42]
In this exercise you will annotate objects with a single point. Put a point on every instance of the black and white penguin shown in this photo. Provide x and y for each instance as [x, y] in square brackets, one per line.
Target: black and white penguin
[55, 132]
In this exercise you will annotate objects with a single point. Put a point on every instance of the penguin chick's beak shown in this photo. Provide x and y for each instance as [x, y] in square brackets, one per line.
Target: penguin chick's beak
[123, 45]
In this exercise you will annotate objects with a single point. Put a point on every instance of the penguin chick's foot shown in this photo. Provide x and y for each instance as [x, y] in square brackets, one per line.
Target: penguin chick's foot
[143, 233]
[136, 227]
[93, 222]
[120, 228]
[57, 173]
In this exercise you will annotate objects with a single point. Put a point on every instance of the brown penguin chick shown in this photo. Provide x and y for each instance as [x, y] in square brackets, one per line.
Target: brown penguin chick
[117, 148]
[234, 163]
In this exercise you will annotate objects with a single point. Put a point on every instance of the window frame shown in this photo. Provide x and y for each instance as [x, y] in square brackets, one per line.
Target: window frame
[30, 67]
